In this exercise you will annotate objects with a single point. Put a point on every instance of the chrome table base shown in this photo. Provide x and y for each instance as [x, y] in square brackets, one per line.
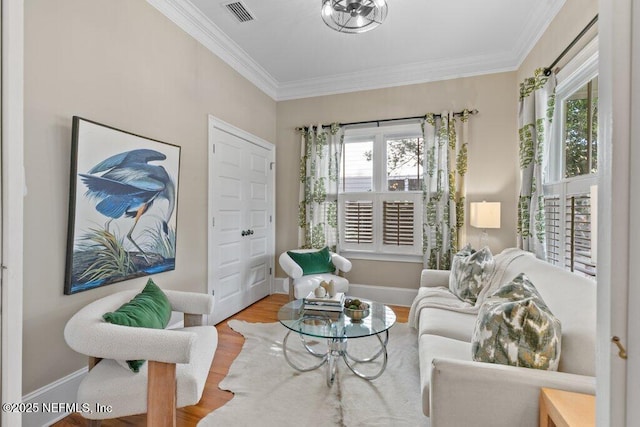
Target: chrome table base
[337, 347]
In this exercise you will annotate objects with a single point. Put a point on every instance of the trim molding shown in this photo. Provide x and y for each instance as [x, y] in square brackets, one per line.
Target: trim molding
[63, 390]
[396, 76]
[195, 23]
[13, 190]
[540, 21]
[188, 17]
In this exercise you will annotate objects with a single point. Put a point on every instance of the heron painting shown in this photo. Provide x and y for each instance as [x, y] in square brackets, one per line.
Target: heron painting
[122, 215]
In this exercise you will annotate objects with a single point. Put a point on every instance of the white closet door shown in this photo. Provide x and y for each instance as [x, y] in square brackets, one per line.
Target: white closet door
[241, 243]
[259, 221]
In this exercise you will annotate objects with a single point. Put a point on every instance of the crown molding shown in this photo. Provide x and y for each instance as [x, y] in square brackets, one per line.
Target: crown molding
[188, 17]
[534, 29]
[424, 72]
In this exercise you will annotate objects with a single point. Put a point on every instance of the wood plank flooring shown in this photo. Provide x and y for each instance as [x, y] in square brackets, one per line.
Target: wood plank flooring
[229, 346]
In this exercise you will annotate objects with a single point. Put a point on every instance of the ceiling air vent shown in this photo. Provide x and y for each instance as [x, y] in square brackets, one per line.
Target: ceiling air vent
[240, 11]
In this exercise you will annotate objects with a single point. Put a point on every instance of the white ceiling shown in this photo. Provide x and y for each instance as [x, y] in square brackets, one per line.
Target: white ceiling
[288, 51]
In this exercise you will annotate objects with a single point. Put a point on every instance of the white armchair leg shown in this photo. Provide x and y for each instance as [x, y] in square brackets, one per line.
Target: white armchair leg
[161, 394]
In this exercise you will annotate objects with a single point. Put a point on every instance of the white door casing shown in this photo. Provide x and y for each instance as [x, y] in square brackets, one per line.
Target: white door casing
[241, 229]
[633, 299]
[618, 235]
[13, 191]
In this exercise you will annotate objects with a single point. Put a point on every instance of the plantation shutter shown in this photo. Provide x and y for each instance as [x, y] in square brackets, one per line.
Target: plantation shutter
[552, 228]
[578, 234]
[398, 223]
[358, 221]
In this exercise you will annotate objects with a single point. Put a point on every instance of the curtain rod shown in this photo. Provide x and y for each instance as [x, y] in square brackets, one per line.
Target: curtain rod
[547, 71]
[459, 113]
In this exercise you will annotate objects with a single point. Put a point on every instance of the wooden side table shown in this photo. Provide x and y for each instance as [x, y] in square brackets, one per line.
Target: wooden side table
[559, 408]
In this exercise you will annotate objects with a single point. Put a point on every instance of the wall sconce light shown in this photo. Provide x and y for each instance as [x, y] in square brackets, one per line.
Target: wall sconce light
[484, 215]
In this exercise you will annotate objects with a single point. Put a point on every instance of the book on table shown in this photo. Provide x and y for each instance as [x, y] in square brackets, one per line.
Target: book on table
[337, 299]
[325, 314]
[325, 304]
[322, 307]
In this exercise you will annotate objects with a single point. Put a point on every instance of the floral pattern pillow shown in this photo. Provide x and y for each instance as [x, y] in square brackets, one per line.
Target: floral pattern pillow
[470, 271]
[515, 327]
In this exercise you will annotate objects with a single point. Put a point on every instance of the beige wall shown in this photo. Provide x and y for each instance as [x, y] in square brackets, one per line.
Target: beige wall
[492, 153]
[122, 63]
[572, 18]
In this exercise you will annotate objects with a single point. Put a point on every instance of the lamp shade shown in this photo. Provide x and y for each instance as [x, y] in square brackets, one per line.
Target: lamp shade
[485, 214]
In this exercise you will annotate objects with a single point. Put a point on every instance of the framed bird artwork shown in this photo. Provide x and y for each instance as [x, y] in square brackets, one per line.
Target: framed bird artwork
[122, 206]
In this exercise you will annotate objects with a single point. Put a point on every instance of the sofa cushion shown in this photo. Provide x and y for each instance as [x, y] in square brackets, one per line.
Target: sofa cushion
[435, 347]
[470, 271]
[313, 262]
[572, 299]
[515, 327]
[447, 323]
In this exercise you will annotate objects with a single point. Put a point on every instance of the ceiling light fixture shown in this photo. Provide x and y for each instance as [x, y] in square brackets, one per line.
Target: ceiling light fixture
[353, 16]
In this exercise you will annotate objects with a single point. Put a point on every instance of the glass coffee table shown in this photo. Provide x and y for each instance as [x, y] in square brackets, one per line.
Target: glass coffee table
[337, 329]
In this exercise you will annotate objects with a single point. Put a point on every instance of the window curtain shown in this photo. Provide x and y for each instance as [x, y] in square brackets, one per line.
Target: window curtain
[321, 149]
[537, 102]
[444, 189]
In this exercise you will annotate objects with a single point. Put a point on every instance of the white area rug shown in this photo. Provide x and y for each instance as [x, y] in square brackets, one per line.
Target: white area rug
[269, 392]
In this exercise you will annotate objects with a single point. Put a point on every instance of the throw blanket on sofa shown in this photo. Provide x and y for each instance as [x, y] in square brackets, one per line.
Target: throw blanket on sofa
[441, 297]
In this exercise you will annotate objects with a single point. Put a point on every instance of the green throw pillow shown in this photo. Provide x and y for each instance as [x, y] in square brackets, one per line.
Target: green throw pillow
[515, 327]
[314, 262]
[149, 309]
[470, 271]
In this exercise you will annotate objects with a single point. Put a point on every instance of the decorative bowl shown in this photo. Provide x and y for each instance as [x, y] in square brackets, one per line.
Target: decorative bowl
[356, 315]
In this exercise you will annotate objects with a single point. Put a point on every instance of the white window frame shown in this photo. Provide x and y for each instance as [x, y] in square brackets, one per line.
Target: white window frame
[580, 70]
[572, 77]
[377, 251]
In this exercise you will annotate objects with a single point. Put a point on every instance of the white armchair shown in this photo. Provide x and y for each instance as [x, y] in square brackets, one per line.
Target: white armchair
[178, 360]
[300, 284]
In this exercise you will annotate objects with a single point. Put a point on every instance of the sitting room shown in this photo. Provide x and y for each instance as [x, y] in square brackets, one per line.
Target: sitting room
[326, 213]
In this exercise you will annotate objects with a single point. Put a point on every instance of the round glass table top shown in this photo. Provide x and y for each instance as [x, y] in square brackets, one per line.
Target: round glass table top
[335, 325]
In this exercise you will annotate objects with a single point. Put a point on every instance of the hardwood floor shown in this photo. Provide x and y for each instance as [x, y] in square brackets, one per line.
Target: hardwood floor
[229, 346]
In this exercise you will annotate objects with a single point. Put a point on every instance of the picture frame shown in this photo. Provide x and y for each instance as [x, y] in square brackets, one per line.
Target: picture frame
[123, 203]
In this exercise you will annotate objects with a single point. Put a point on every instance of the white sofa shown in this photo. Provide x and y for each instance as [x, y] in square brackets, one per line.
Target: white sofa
[457, 391]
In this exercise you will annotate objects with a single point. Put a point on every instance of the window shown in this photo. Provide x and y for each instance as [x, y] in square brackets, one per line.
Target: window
[572, 170]
[581, 130]
[380, 193]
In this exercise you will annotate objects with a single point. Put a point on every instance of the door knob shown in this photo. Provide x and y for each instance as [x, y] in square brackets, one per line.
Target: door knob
[622, 352]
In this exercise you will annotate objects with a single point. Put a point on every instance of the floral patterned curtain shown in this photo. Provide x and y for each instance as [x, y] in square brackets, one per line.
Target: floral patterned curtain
[537, 102]
[318, 208]
[444, 187]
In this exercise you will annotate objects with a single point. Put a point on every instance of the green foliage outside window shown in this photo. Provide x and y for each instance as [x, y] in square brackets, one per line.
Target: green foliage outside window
[581, 131]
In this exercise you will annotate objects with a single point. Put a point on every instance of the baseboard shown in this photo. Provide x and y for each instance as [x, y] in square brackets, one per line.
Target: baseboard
[281, 285]
[62, 391]
[384, 294]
